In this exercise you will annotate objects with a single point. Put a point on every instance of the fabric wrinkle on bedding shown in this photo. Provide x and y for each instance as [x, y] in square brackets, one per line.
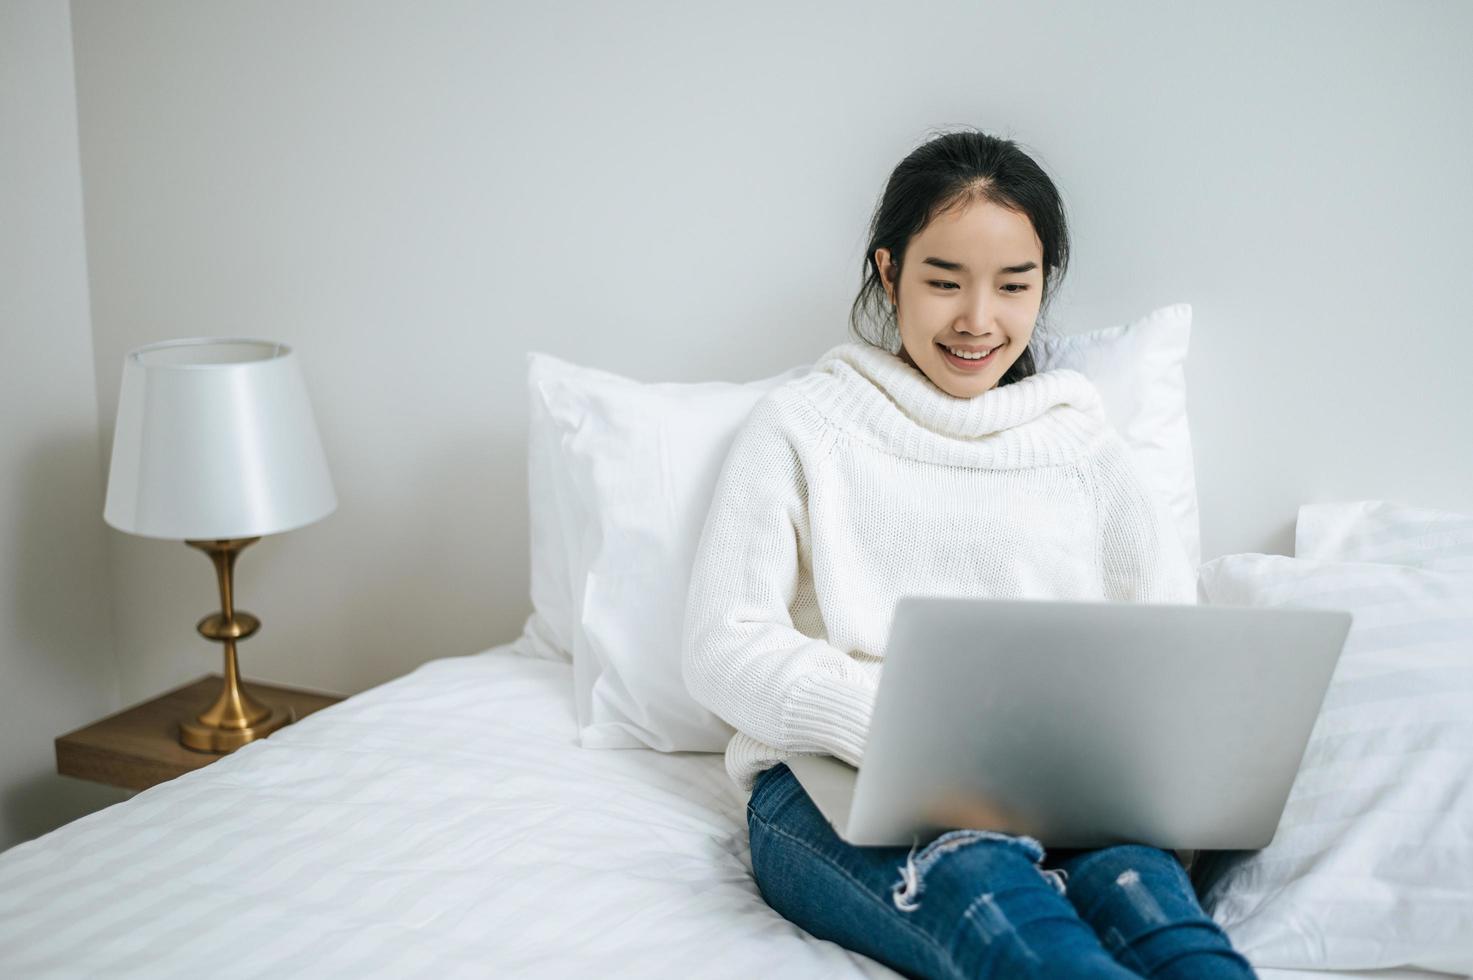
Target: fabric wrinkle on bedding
[438, 821]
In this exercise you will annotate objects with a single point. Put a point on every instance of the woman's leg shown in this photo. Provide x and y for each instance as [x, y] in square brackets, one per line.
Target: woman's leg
[1140, 902]
[972, 904]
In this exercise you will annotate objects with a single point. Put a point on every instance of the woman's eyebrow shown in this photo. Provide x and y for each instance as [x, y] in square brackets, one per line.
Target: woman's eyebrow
[959, 267]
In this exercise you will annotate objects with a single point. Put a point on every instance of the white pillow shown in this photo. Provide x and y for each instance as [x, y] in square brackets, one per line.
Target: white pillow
[621, 475]
[1372, 863]
[635, 469]
[1382, 531]
[1139, 368]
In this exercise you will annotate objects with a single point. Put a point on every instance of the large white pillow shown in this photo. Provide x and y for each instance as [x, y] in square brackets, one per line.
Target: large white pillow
[1372, 863]
[1140, 370]
[634, 470]
[1383, 531]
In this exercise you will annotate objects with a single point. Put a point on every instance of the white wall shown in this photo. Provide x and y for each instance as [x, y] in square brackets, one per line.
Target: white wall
[57, 670]
[417, 194]
[414, 195]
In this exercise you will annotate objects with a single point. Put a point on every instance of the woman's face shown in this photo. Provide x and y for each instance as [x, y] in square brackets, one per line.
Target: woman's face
[973, 279]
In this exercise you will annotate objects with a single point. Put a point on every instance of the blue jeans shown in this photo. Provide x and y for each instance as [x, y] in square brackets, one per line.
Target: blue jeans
[977, 903]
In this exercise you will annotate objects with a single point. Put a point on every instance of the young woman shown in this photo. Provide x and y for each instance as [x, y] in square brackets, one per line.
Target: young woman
[935, 459]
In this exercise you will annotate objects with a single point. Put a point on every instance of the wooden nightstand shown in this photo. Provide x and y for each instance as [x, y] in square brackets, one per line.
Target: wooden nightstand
[139, 746]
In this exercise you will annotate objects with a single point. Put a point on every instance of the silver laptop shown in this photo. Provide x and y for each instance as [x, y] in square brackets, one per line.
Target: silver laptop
[1084, 724]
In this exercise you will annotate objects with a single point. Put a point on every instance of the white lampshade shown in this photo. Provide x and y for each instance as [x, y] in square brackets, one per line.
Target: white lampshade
[215, 439]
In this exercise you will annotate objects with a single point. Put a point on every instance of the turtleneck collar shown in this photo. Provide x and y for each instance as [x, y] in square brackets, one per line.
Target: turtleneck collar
[1045, 419]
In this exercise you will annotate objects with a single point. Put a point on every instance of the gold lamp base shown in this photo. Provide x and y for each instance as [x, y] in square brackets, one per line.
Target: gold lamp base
[207, 733]
[202, 738]
[235, 718]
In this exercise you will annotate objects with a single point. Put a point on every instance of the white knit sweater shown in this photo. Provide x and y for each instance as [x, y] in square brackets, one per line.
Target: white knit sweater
[862, 481]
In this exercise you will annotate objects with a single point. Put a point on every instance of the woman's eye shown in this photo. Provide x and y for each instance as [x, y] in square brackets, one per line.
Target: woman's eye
[944, 286]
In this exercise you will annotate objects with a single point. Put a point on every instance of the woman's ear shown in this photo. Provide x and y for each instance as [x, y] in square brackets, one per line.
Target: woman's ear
[887, 272]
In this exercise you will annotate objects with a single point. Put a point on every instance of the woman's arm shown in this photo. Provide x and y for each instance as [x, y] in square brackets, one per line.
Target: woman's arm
[741, 656]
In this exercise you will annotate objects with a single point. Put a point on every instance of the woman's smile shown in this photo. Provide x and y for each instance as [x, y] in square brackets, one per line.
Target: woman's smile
[968, 364]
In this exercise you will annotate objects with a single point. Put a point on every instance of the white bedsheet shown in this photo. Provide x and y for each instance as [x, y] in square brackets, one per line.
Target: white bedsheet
[443, 824]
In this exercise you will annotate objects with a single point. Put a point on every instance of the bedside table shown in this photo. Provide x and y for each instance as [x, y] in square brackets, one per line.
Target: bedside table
[139, 746]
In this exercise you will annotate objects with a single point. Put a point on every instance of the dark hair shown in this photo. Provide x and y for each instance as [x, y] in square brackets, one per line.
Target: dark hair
[954, 170]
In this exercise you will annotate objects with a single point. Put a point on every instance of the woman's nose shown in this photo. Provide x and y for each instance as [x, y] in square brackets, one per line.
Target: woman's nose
[978, 323]
[978, 316]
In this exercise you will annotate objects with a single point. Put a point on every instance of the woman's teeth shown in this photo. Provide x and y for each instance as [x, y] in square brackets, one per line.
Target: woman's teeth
[966, 356]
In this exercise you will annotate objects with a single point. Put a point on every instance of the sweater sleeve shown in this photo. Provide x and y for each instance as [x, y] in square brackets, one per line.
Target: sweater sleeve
[741, 656]
[1141, 554]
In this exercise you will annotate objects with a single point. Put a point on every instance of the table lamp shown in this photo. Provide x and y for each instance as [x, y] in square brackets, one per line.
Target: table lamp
[215, 445]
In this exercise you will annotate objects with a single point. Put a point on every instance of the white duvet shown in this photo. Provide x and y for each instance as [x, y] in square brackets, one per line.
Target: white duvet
[444, 824]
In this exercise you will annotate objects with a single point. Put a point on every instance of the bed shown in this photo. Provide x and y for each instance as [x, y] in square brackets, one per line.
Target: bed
[447, 824]
[558, 805]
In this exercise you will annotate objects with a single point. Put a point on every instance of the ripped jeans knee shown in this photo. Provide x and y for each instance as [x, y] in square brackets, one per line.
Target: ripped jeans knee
[906, 892]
